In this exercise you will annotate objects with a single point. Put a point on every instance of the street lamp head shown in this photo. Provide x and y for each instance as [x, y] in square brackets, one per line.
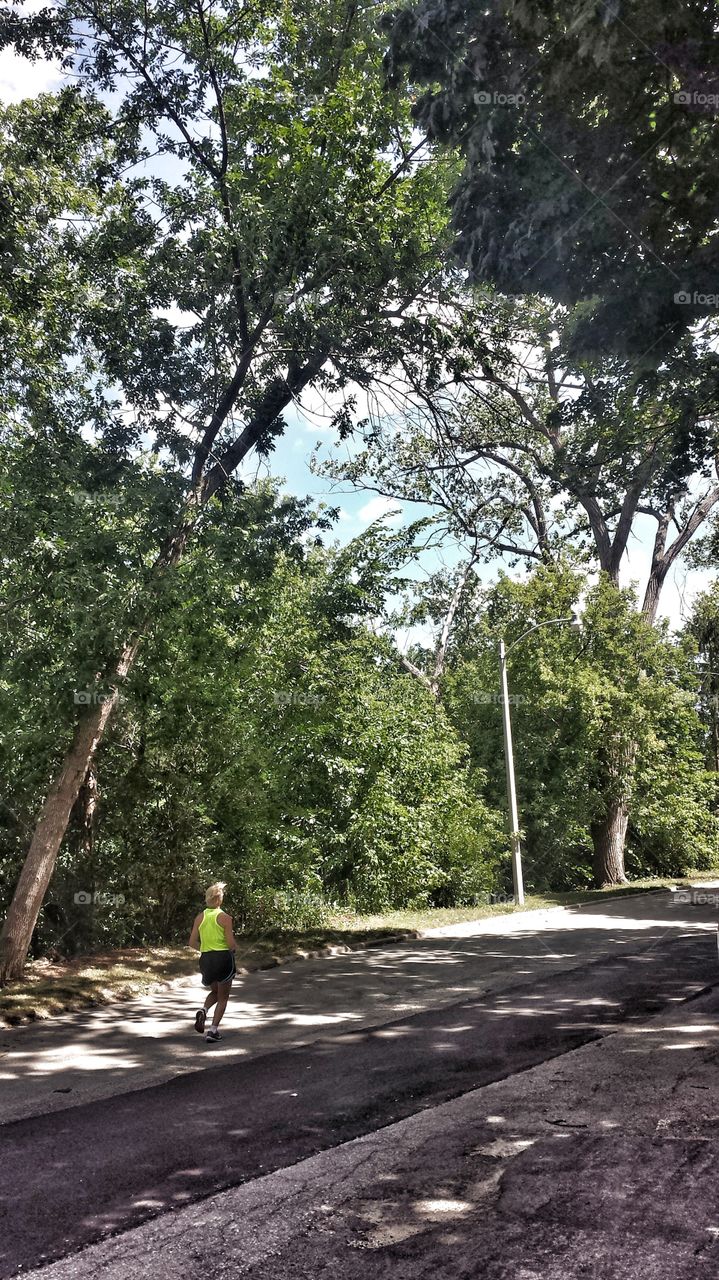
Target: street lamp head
[575, 621]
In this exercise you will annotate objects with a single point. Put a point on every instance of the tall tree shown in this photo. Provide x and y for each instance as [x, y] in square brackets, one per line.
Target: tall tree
[540, 452]
[284, 240]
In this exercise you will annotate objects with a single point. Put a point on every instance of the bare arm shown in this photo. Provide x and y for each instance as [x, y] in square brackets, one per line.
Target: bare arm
[226, 922]
[195, 935]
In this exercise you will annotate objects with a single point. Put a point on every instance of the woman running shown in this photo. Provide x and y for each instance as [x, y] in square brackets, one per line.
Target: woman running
[212, 933]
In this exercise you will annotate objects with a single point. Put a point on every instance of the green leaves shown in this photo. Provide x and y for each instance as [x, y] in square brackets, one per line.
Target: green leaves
[591, 183]
[604, 716]
[249, 207]
[266, 732]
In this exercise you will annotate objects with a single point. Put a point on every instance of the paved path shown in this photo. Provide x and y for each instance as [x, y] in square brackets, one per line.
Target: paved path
[600, 1164]
[100, 1052]
[483, 1007]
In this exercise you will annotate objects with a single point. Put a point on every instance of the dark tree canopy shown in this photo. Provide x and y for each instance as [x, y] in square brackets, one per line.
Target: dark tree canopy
[589, 133]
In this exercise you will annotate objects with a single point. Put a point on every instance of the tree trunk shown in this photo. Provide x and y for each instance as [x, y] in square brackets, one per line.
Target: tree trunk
[609, 828]
[87, 807]
[608, 836]
[52, 824]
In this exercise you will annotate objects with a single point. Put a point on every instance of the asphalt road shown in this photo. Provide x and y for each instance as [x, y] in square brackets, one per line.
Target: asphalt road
[83, 1057]
[599, 1164]
[71, 1177]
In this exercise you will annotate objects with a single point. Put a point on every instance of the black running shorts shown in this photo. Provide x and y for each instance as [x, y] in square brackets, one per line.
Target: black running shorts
[217, 966]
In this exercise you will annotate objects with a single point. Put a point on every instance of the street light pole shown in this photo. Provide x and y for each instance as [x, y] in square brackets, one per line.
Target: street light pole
[511, 786]
[515, 839]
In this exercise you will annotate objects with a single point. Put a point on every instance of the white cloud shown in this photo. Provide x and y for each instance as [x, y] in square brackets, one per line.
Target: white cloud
[377, 507]
[20, 78]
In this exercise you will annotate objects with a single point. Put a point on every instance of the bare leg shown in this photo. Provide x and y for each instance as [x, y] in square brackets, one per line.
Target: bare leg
[223, 995]
[212, 998]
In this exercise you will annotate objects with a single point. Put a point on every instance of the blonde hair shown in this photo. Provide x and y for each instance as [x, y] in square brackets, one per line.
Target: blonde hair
[215, 893]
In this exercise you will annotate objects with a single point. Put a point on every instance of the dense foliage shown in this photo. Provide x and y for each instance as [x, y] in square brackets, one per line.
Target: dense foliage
[590, 144]
[576, 702]
[235, 216]
[266, 735]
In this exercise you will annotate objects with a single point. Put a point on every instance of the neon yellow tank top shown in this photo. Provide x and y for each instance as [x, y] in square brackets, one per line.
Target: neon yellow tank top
[212, 935]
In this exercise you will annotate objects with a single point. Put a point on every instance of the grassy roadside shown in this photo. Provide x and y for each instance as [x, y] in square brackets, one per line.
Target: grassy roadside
[436, 917]
[50, 988]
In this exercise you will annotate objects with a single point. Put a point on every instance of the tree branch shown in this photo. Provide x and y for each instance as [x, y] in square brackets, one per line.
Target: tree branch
[441, 654]
[276, 397]
[418, 674]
